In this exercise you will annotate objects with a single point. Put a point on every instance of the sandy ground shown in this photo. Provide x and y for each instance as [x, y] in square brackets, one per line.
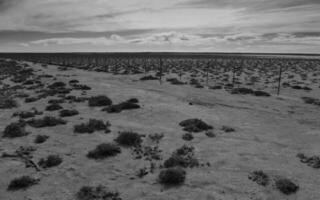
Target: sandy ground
[270, 131]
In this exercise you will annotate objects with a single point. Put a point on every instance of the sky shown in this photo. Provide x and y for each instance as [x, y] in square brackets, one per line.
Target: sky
[262, 26]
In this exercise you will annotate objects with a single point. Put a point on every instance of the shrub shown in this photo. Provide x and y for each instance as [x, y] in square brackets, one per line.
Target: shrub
[286, 186]
[259, 177]
[16, 129]
[56, 101]
[242, 91]
[31, 99]
[53, 107]
[127, 105]
[175, 81]
[8, 103]
[172, 176]
[261, 93]
[91, 126]
[147, 78]
[68, 113]
[310, 100]
[227, 129]
[57, 85]
[104, 150]
[40, 139]
[156, 137]
[195, 125]
[50, 161]
[46, 121]
[210, 134]
[99, 101]
[187, 136]
[313, 161]
[22, 183]
[96, 193]
[129, 138]
[183, 157]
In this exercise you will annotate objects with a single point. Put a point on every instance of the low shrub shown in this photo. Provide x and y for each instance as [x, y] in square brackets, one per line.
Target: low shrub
[313, 161]
[195, 125]
[182, 157]
[91, 126]
[57, 85]
[41, 139]
[8, 103]
[210, 134]
[227, 129]
[261, 93]
[187, 136]
[23, 182]
[127, 105]
[104, 150]
[259, 177]
[148, 78]
[100, 100]
[286, 186]
[46, 121]
[97, 193]
[50, 161]
[16, 129]
[53, 107]
[129, 138]
[68, 113]
[172, 176]
[242, 91]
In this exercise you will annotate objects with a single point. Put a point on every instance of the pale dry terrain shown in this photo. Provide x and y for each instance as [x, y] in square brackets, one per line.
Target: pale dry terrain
[269, 133]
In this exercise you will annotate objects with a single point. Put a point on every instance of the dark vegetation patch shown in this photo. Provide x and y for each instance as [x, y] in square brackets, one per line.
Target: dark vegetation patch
[175, 81]
[156, 137]
[311, 100]
[41, 139]
[16, 129]
[187, 136]
[92, 126]
[53, 107]
[259, 177]
[50, 161]
[22, 183]
[27, 114]
[57, 85]
[97, 193]
[100, 100]
[313, 161]
[47, 121]
[56, 101]
[127, 105]
[104, 150]
[68, 113]
[246, 91]
[148, 78]
[149, 153]
[80, 87]
[129, 138]
[172, 176]
[7, 103]
[182, 157]
[210, 134]
[195, 125]
[261, 93]
[286, 186]
[228, 129]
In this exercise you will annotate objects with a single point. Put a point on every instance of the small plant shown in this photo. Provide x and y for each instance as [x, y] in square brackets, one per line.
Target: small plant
[68, 113]
[50, 161]
[53, 107]
[129, 138]
[227, 129]
[259, 177]
[46, 121]
[14, 130]
[187, 136]
[104, 150]
[22, 183]
[172, 176]
[40, 139]
[97, 193]
[100, 100]
[286, 186]
[195, 125]
[91, 126]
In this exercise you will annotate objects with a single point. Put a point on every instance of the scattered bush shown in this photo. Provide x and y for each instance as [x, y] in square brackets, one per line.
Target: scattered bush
[91, 126]
[40, 139]
[286, 186]
[183, 157]
[210, 134]
[175, 81]
[53, 107]
[96, 193]
[259, 177]
[129, 138]
[68, 113]
[50, 161]
[99, 101]
[242, 91]
[172, 176]
[22, 183]
[104, 150]
[16, 129]
[313, 161]
[195, 125]
[46, 121]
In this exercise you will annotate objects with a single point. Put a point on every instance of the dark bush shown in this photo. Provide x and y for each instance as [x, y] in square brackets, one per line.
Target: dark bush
[195, 125]
[22, 183]
[50, 161]
[129, 138]
[104, 150]
[91, 126]
[227, 129]
[311, 100]
[183, 157]
[261, 93]
[210, 134]
[56, 101]
[31, 99]
[7, 103]
[313, 161]
[286, 186]
[16, 129]
[148, 78]
[99, 101]
[97, 193]
[217, 87]
[175, 81]
[46, 121]
[53, 107]
[68, 113]
[133, 100]
[57, 85]
[187, 136]
[259, 177]
[172, 176]
[121, 106]
[40, 139]
[242, 91]
[74, 81]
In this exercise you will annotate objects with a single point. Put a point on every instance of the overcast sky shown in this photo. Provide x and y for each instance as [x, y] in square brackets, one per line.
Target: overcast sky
[286, 26]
